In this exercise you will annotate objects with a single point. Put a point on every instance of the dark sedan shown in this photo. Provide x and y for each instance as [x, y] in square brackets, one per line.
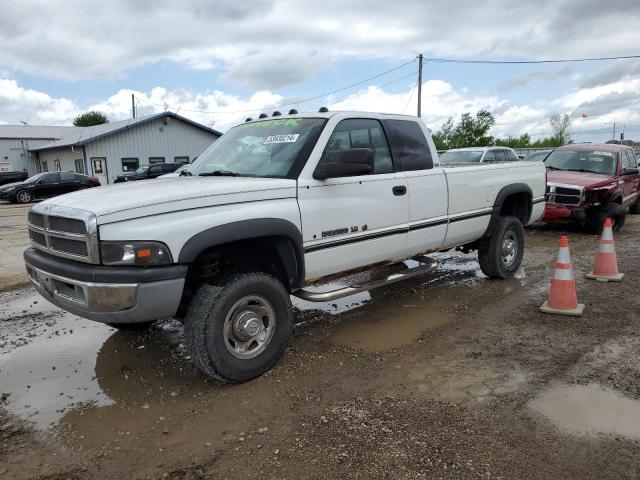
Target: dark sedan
[146, 172]
[12, 177]
[46, 185]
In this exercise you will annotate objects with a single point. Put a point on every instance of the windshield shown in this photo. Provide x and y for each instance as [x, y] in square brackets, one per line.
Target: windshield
[35, 178]
[582, 161]
[461, 156]
[536, 156]
[268, 148]
[142, 169]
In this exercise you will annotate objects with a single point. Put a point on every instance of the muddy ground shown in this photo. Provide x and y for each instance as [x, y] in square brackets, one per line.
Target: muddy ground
[448, 376]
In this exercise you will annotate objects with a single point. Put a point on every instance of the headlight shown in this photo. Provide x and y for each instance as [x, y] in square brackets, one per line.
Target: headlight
[135, 253]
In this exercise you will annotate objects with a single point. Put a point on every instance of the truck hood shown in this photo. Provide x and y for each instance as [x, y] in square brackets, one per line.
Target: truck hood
[581, 179]
[124, 201]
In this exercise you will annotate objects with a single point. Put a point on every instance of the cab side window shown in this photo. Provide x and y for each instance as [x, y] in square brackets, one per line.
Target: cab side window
[500, 156]
[67, 176]
[630, 160]
[489, 157]
[512, 157]
[360, 133]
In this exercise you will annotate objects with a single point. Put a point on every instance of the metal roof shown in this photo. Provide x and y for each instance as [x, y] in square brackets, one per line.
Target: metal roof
[84, 135]
[33, 132]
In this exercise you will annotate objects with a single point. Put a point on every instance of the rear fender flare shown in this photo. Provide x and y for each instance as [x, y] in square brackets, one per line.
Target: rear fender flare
[500, 198]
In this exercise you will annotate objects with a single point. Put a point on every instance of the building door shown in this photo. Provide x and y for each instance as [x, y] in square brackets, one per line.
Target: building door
[99, 165]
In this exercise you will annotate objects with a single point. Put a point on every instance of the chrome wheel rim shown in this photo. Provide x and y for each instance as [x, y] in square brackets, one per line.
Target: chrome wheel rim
[249, 326]
[24, 197]
[509, 249]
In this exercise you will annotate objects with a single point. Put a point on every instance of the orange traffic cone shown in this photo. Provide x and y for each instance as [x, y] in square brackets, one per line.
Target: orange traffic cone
[562, 294]
[606, 267]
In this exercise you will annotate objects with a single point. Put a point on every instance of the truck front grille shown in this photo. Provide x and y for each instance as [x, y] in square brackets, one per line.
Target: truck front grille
[564, 195]
[64, 232]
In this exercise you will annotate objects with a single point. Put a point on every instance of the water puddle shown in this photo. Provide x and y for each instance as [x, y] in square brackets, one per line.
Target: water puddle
[590, 410]
[391, 325]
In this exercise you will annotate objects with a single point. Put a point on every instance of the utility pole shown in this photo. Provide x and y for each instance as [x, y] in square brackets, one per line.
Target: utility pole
[419, 85]
[133, 106]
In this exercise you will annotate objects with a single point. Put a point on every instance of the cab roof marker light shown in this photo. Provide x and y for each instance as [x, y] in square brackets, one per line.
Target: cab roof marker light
[293, 111]
[323, 110]
[263, 115]
[276, 113]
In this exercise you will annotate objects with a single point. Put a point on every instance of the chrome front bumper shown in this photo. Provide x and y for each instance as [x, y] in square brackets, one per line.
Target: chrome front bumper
[109, 302]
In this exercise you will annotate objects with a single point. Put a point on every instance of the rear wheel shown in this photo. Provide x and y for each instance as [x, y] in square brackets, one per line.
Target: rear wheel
[500, 255]
[238, 329]
[24, 196]
[611, 210]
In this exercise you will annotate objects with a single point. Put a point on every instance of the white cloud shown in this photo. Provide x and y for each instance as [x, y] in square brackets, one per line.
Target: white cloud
[21, 104]
[273, 43]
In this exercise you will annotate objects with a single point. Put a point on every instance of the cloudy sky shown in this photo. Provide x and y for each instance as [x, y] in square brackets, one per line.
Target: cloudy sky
[219, 62]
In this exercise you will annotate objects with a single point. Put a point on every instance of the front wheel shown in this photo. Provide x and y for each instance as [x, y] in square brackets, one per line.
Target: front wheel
[24, 196]
[238, 329]
[616, 212]
[500, 255]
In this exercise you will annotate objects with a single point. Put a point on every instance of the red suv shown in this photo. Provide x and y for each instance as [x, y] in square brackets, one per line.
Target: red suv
[586, 183]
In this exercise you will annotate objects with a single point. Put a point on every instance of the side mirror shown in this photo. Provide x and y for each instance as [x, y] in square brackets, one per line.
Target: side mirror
[630, 171]
[352, 162]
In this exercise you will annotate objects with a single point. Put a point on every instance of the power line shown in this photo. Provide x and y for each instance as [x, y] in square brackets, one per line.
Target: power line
[304, 100]
[410, 97]
[520, 62]
[377, 86]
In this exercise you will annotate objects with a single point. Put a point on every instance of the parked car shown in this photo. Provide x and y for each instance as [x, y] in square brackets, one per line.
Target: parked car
[478, 155]
[178, 172]
[588, 183]
[273, 207]
[13, 177]
[146, 172]
[45, 185]
[537, 156]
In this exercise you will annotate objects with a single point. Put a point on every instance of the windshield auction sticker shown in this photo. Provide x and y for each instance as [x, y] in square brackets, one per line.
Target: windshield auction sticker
[290, 138]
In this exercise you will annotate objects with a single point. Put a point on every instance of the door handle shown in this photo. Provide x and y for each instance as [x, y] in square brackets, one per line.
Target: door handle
[399, 190]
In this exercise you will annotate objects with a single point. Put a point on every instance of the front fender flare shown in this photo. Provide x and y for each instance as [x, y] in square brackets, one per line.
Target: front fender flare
[285, 236]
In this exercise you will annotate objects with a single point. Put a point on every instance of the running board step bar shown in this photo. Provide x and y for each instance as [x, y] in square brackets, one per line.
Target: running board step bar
[428, 265]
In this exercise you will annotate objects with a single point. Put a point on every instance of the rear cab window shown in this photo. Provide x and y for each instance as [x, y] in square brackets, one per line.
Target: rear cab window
[409, 146]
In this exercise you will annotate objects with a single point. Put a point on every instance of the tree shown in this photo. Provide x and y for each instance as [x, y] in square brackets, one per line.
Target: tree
[561, 125]
[522, 141]
[468, 132]
[89, 119]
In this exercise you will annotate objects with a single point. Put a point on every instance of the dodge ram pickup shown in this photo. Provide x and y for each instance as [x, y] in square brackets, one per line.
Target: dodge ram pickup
[275, 207]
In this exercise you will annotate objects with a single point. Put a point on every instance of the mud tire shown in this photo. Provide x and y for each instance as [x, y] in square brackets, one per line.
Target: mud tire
[611, 210]
[205, 319]
[490, 250]
[635, 208]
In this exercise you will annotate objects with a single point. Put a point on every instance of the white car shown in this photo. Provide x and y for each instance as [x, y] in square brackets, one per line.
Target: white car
[478, 155]
[178, 172]
[271, 208]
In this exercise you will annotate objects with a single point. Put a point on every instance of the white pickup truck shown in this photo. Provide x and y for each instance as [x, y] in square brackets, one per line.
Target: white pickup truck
[273, 207]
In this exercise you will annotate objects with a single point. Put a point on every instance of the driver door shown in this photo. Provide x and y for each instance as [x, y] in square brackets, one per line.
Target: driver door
[48, 186]
[356, 221]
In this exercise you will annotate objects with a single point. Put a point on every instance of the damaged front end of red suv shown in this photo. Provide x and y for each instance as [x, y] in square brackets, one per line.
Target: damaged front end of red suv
[588, 183]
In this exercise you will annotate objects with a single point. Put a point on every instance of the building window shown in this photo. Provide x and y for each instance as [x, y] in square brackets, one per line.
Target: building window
[79, 165]
[56, 165]
[45, 167]
[156, 160]
[181, 159]
[130, 164]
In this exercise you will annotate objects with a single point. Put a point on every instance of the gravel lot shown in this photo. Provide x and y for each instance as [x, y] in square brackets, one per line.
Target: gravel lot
[448, 376]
